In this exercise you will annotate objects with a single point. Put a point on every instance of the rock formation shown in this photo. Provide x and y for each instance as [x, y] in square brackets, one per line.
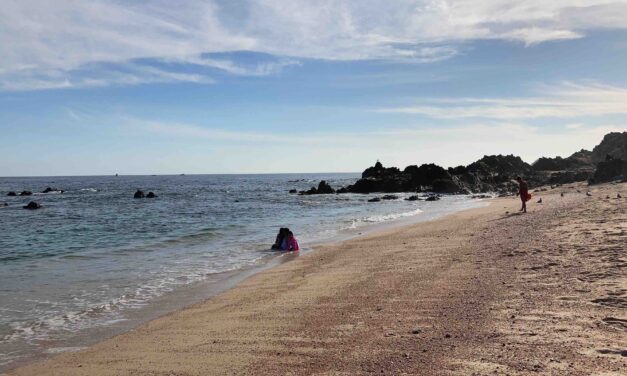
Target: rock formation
[32, 206]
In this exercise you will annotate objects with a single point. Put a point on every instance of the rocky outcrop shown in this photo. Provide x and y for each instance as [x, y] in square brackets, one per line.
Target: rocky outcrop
[139, 194]
[293, 191]
[323, 189]
[151, 195]
[579, 160]
[49, 189]
[26, 193]
[32, 206]
[610, 170]
[613, 144]
[11, 194]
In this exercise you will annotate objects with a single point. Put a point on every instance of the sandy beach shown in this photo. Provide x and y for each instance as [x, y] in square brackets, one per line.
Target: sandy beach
[484, 291]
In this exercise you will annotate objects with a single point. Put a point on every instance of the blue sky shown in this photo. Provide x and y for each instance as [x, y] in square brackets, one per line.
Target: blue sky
[104, 87]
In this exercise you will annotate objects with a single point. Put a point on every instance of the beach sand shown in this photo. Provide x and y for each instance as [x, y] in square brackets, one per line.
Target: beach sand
[485, 291]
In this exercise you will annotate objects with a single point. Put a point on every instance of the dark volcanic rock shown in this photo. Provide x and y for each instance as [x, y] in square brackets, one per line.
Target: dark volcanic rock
[374, 199]
[613, 144]
[151, 195]
[11, 194]
[32, 206]
[579, 160]
[49, 189]
[433, 198]
[412, 198]
[293, 191]
[323, 189]
[445, 186]
[139, 194]
[389, 197]
[610, 170]
[26, 193]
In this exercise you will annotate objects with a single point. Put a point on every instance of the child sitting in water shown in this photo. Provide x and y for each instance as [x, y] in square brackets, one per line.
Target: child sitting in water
[291, 244]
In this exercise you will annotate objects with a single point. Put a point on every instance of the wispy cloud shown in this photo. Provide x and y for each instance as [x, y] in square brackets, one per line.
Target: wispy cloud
[50, 44]
[565, 100]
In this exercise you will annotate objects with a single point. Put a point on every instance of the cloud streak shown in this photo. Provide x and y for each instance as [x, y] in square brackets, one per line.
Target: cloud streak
[48, 44]
[566, 100]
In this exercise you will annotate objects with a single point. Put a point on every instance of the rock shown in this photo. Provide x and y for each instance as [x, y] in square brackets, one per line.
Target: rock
[445, 186]
[11, 194]
[539, 201]
[342, 190]
[374, 199]
[151, 195]
[416, 331]
[610, 170]
[49, 189]
[26, 193]
[389, 197]
[432, 198]
[4, 204]
[32, 206]
[618, 195]
[324, 188]
[412, 198]
[293, 191]
[139, 194]
[588, 194]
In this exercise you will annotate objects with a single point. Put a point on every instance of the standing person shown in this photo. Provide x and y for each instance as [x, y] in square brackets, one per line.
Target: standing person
[523, 190]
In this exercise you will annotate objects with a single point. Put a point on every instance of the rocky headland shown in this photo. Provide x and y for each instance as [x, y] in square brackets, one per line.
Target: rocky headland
[494, 173]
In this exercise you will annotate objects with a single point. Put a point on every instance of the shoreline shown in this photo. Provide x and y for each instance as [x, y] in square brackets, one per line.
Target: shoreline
[217, 283]
[418, 299]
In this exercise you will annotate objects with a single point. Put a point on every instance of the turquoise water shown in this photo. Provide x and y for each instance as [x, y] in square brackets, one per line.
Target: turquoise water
[94, 254]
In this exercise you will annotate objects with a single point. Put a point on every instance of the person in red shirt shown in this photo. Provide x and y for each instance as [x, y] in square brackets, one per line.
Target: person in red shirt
[523, 190]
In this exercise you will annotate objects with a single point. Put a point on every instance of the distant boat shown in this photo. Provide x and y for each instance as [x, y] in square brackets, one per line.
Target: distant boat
[182, 175]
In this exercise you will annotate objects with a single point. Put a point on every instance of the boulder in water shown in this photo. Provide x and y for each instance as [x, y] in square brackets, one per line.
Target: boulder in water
[139, 194]
[151, 195]
[11, 194]
[32, 206]
[293, 191]
[389, 197]
[26, 193]
[412, 198]
[49, 189]
[374, 199]
[433, 198]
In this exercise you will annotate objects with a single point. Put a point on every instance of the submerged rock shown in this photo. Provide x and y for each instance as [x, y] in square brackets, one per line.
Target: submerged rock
[151, 195]
[139, 194]
[49, 189]
[11, 194]
[26, 193]
[432, 198]
[389, 197]
[374, 199]
[293, 191]
[412, 198]
[32, 206]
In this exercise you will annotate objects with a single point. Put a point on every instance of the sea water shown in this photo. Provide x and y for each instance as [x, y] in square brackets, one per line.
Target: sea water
[93, 258]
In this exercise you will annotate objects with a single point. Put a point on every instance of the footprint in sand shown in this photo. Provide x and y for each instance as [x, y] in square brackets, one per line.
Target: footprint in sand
[613, 352]
[612, 301]
[616, 323]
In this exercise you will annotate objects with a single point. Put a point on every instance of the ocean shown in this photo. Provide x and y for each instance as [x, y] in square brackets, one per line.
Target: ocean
[94, 261]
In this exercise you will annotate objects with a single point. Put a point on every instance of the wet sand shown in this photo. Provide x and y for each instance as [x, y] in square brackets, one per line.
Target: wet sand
[485, 291]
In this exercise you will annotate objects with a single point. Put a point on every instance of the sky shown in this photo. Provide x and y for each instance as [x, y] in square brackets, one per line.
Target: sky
[265, 86]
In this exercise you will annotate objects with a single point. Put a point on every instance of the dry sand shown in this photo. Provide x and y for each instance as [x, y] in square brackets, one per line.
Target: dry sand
[478, 292]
